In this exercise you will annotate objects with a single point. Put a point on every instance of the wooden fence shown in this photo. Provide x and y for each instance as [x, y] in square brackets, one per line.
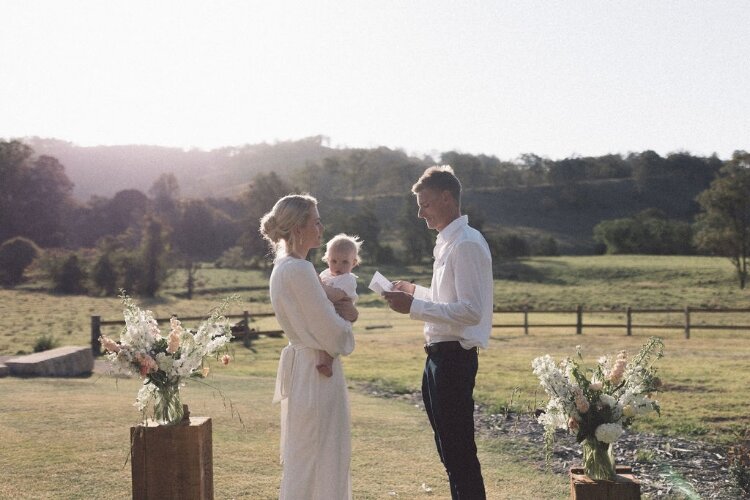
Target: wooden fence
[242, 331]
[579, 324]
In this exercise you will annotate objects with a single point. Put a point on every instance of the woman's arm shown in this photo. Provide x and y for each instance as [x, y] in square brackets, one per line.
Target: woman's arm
[331, 332]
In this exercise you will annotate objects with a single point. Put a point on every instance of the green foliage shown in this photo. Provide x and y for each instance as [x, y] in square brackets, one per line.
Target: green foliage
[16, 255]
[68, 275]
[202, 231]
[154, 253]
[508, 246]
[35, 195]
[547, 246]
[417, 239]
[45, 343]
[259, 198]
[104, 275]
[232, 258]
[648, 232]
[723, 227]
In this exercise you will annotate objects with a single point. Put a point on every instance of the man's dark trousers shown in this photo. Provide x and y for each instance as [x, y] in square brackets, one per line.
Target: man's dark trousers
[447, 387]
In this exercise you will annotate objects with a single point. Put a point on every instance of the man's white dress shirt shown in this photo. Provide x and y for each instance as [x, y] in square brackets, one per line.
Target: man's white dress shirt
[458, 305]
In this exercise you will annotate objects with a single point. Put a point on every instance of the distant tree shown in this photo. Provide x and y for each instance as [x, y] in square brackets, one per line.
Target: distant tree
[413, 232]
[16, 255]
[648, 169]
[232, 258]
[648, 232]
[508, 246]
[35, 195]
[534, 168]
[104, 275]
[547, 246]
[723, 226]
[154, 254]
[258, 199]
[198, 230]
[165, 192]
[68, 275]
[567, 171]
[127, 208]
[366, 225]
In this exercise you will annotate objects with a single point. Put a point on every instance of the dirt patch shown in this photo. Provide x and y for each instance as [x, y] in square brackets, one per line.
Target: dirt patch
[669, 468]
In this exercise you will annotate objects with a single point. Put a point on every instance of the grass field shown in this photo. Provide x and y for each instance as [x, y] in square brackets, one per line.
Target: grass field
[705, 380]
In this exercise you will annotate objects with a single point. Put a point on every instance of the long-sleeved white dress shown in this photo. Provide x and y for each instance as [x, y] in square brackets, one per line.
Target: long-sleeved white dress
[315, 426]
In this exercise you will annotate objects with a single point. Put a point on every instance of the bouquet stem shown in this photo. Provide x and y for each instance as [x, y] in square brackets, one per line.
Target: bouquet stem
[168, 405]
[598, 459]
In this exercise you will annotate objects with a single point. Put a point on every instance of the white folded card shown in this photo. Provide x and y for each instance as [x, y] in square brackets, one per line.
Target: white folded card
[380, 284]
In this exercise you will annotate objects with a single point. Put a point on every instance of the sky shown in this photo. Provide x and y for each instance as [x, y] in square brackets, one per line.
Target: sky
[503, 78]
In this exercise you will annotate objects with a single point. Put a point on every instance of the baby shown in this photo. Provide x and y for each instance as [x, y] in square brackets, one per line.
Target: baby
[342, 255]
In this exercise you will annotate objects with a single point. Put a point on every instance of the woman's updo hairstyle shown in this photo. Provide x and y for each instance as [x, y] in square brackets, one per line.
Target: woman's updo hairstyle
[277, 226]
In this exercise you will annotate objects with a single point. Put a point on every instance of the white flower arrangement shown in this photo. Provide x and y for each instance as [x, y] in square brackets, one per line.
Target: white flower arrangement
[166, 362]
[598, 403]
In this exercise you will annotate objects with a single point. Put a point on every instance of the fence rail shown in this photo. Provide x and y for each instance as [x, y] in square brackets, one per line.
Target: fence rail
[240, 330]
[686, 325]
[243, 331]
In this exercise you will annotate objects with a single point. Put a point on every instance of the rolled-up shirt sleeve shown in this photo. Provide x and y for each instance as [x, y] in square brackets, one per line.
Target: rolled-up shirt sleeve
[461, 304]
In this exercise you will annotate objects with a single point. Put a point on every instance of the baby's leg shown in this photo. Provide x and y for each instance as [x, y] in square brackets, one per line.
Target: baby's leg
[325, 364]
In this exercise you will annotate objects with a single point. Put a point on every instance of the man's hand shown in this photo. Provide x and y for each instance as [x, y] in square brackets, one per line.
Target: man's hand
[404, 286]
[399, 301]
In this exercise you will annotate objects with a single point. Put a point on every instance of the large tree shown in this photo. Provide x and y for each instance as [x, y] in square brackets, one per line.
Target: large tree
[35, 194]
[259, 198]
[723, 226]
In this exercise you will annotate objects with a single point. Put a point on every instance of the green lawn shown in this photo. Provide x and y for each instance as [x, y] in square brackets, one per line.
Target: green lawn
[77, 446]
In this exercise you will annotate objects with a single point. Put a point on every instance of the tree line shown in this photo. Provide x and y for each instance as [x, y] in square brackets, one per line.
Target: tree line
[132, 239]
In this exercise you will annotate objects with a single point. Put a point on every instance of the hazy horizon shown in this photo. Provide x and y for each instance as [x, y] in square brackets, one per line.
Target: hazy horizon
[557, 79]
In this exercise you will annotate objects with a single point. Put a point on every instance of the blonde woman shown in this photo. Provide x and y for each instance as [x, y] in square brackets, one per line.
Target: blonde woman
[315, 427]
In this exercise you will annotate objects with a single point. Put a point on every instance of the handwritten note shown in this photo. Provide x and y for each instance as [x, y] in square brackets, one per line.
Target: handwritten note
[380, 283]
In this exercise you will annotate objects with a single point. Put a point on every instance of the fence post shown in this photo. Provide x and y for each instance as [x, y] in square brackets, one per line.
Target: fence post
[687, 322]
[579, 319]
[96, 332]
[246, 339]
[629, 316]
[525, 320]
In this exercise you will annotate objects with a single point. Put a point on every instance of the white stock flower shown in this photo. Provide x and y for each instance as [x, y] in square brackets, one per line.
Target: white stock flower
[608, 400]
[608, 433]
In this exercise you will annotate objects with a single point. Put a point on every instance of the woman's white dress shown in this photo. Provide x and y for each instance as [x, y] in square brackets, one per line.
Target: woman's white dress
[315, 428]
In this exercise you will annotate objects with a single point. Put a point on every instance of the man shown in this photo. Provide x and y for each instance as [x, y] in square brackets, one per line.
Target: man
[457, 311]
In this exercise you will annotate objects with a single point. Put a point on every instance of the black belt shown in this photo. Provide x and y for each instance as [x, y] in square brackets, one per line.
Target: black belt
[443, 347]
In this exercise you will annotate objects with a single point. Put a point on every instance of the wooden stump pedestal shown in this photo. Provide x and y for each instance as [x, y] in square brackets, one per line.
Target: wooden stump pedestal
[172, 462]
[625, 486]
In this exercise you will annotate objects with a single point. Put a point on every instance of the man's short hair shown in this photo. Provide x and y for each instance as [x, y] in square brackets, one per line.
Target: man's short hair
[440, 178]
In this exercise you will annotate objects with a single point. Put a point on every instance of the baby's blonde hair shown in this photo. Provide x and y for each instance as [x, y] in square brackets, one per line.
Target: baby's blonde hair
[343, 241]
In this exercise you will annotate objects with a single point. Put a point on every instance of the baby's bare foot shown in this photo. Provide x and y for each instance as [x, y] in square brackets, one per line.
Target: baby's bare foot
[325, 370]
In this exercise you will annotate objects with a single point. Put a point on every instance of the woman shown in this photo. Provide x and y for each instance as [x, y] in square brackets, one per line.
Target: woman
[315, 435]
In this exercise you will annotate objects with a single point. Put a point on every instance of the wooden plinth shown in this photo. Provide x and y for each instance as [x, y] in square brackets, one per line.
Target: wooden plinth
[172, 462]
[624, 486]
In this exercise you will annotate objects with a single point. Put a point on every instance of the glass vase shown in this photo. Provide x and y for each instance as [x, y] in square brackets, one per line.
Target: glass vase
[598, 459]
[168, 405]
